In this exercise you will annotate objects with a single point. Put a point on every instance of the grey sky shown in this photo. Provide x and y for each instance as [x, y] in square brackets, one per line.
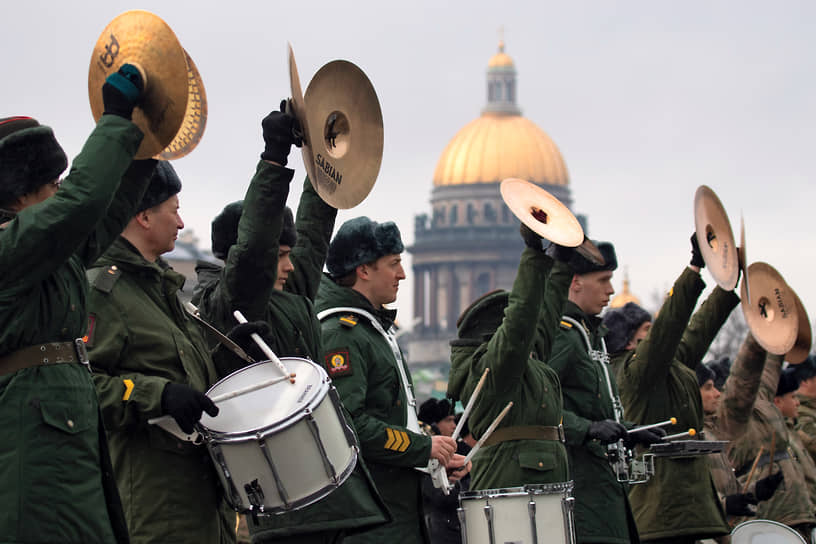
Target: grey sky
[646, 100]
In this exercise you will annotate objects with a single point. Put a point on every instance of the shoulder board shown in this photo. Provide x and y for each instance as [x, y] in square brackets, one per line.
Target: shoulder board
[566, 325]
[103, 278]
[348, 320]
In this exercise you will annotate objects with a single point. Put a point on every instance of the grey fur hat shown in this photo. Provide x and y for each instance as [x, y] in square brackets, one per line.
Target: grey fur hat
[224, 229]
[788, 382]
[164, 184]
[359, 241]
[622, 324]
[581, 265]
[704, 373]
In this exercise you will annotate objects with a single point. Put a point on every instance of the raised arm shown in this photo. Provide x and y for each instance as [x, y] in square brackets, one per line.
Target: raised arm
[704, 326]
[741, 390]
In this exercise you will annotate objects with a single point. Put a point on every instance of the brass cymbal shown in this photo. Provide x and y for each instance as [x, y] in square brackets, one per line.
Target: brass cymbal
[743, 261]
[345, 134]
[141, 38]
[772, 315]
[543, 213]
[801, 348]
[715, 238]
[195, 117]
[299, 110]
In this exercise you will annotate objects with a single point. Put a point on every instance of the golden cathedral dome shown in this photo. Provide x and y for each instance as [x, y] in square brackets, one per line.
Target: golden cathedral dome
[625, 296]
[500, 143]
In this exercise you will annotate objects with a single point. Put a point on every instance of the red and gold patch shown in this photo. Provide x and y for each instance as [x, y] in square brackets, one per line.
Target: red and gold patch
[338, 364]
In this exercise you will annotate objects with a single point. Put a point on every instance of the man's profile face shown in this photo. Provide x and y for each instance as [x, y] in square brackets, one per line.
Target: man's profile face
[383, 277]
[710, 396]
[591, 291]
[285, 266]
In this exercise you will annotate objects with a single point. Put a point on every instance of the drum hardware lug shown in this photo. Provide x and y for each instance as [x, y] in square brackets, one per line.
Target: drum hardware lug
[278, 482]
[460, 512]
[232, 492]
[567, 507]
[531, 511]
[488, 512]
[327, 465]
[255, 494]
[337, 403]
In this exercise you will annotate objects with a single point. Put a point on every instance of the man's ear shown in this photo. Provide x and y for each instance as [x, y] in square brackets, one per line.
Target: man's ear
[576, 284]
[143, 218]
[362, 272]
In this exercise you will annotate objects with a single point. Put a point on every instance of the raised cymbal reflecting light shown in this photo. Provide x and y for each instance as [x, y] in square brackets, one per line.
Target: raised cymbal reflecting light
[542, 213]
[715, 238]
[801, 347]
[771, 315]
[195, 117]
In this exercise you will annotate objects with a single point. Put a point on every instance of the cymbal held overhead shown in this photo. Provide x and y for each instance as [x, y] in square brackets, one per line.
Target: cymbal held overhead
[771, 315]
[715, 238]
[542, 212]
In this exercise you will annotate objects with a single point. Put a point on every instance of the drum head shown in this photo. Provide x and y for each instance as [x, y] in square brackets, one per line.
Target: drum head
[763, 531]
[274, 405]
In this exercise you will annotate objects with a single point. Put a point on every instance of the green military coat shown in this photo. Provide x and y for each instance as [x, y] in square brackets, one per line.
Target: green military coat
[602, 510]
[657, 381]
[52, 453]
[514, 347]
[245, 282]
[139, 340]
[806, 423]
[364, 371]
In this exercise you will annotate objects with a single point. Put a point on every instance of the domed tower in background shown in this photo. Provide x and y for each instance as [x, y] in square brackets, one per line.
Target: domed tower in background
[625, 296]
[470, 244]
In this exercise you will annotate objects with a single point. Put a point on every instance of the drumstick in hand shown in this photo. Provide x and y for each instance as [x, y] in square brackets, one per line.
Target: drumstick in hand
[469, 406]
[265, 348]
[487, 433]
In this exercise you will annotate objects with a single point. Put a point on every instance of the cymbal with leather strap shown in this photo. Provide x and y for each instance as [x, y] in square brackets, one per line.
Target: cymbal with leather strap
[144, 40]
[195, 116]
[743, 261]
[715, 238]
[771, 315]
[542, 213]
[804, 336]
[299, 111]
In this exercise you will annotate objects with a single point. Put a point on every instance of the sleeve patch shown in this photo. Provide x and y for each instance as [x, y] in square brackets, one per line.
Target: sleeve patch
[338, 364]
[397, 440]
[128, 389]
[566, 325]
[348, 320]
[89, 336]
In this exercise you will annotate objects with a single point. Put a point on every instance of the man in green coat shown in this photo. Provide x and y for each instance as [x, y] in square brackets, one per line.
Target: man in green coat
[657, 382]
[511, 334]
[272, 272]
[55, 476]
[150, 360]
[593, 418]
[365, 363]
[806, 422]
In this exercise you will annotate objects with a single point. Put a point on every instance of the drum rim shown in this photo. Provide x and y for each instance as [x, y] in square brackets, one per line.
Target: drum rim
[554, 488]
[790, 530]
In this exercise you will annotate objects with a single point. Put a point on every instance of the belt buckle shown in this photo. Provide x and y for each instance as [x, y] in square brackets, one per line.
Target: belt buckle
[82, 353]
[561, 435]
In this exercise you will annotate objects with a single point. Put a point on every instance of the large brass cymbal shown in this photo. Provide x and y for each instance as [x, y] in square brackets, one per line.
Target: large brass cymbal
[141, 38]
[715, 238]
[542, 212]
[804, 336]
[195, 117]
[299, 110]
[772, 315]
[345, 133]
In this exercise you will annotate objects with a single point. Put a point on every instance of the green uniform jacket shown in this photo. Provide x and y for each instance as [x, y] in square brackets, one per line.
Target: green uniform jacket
[806, 423]
[602, 510]
[247, 277]
[364, 371]
[657, 381]
[140, 339]
[791, 503]
[515, 354]
[49, 414]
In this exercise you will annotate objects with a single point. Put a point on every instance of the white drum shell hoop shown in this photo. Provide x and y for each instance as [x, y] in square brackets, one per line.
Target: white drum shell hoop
[532, 514]
[283, 446]
[765, 531]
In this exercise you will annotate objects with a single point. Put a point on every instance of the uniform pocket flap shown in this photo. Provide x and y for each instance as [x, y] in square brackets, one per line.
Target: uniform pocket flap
[536, 459]
[67, 417]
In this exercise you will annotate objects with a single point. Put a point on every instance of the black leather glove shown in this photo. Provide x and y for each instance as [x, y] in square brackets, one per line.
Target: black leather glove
[696, 256]
[185, 405]
[531, 239]
[241, 334]
[279, 130]
[122, 91]
[559, 253]
[737, 504]
[607, 431]
[766, 486]
[644, 436]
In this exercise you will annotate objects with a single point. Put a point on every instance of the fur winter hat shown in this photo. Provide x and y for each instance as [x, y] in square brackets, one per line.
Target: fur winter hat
[806, 369]
[359, 241]
[582, 265]
[225, 229]
[164, 184]
[433, 410]
[705, 373]
[30, 157]
[721, 368]
[788, 382]
[622, 324]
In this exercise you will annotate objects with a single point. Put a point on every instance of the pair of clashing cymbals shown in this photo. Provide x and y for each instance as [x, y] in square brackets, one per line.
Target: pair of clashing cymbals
[173, 110]
[716, 239]
[547, 216]
[342, 131]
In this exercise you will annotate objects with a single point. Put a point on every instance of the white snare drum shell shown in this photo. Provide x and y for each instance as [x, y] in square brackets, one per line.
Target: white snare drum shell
[763, 531]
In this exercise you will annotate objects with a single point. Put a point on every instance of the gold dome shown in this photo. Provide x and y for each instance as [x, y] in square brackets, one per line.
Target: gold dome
[625, 296]
[494, 147]
[500, 59]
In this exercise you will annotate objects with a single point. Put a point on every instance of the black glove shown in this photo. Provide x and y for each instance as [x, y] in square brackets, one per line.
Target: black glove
[242, 335]
[531, 238]
[122, 91]
[644, 436]
[766, 486]
[607, 431]
[185, 405]
[559, 253]
[279, 134]
[696, 256]
[737, 504]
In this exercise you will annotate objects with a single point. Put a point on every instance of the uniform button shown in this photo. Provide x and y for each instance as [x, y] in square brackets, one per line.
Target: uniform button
[544, 405]
[64, 330]
[399, 403]
[546, 390]
[599, 395]
[73, 307]
[181, 352]
[540, 464]
[70, 423]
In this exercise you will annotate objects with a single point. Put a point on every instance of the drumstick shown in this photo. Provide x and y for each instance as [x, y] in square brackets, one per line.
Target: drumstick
[265, 348]
[671, 421]
[690, 432]
[753, 468]
[487, 433]
[470, 403]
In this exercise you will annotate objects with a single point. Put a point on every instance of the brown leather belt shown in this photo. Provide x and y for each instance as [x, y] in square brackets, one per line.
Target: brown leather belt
[525, 432]
[52, 353]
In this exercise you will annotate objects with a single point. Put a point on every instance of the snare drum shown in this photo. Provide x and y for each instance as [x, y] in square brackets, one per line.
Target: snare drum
[764, 531]
[532, 514]
[283, 446]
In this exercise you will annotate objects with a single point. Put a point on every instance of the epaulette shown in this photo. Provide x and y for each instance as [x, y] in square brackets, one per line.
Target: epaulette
[349, 320]
[103, 278]
[565, 325]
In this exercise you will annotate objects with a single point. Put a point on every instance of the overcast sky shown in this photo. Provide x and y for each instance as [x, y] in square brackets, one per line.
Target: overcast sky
[646, 101]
